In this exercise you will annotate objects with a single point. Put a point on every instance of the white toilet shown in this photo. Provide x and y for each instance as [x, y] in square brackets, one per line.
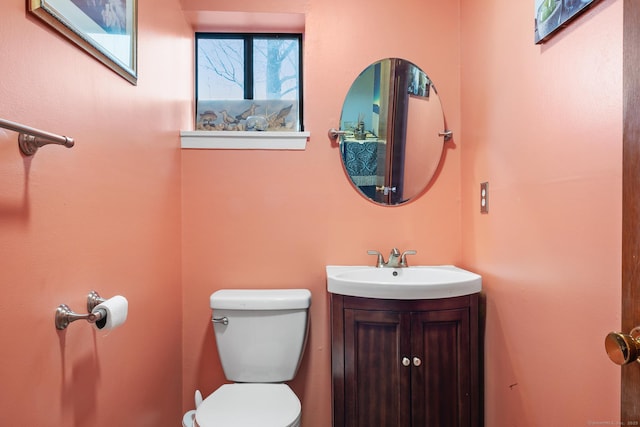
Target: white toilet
[261, 335]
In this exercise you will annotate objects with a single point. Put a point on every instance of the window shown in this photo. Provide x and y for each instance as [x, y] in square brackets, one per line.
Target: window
[249, 82]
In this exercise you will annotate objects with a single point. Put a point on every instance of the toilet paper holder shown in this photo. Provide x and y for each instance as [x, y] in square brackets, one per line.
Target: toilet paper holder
[64, 314]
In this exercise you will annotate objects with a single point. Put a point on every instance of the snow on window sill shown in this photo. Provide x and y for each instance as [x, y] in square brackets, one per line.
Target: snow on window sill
[243, 140]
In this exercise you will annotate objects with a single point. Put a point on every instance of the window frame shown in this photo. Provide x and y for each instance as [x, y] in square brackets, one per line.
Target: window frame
[248, 39]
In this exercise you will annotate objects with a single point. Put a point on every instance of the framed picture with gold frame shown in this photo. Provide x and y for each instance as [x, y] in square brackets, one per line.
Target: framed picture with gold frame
[106, 29]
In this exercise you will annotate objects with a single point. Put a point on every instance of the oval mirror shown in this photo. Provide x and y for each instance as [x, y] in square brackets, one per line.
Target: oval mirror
[391, 132]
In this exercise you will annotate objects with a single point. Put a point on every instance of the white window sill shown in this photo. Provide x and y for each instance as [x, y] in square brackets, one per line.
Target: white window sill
[243, 140]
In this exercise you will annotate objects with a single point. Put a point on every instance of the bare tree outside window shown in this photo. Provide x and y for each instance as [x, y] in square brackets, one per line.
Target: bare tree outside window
[248, 82]
[280, 61]
[221, 69]
[221, 64]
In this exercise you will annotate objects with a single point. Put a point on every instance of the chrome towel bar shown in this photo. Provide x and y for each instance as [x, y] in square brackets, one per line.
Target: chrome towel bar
[30, 139]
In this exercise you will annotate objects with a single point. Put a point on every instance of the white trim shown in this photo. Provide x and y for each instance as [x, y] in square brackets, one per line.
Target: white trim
[243, 140]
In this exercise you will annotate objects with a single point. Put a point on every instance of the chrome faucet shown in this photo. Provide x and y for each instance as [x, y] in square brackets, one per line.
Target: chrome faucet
[396, 260]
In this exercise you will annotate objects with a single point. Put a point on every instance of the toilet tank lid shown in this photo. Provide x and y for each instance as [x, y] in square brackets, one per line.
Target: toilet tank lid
[260, 299]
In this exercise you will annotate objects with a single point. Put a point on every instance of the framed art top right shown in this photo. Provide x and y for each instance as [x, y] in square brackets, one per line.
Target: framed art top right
[552, 15]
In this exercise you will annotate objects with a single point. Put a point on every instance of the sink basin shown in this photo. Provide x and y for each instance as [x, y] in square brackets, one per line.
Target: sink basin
[420, 282]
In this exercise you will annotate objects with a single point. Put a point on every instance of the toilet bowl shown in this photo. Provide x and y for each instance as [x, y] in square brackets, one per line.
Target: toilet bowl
[250, 405]
[260, 336]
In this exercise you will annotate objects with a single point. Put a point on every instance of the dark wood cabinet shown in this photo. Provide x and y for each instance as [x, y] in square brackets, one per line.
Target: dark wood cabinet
[401, 363]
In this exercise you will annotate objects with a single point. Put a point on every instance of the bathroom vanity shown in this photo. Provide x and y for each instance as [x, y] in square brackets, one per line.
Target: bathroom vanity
[406, 362]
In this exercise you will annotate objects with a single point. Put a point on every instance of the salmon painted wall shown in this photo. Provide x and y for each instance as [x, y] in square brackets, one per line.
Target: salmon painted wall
[267, 219]
[543, 125]
[103, 215]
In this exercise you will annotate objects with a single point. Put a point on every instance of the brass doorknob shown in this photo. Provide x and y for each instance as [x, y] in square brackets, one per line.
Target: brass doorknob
[621, 348]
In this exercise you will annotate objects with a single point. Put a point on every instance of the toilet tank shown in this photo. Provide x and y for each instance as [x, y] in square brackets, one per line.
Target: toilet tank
[265, 332]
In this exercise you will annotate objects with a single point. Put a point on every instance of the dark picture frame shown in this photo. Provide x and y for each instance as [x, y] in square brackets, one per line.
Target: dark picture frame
[552, 15]
[419, 83]
[106, 29]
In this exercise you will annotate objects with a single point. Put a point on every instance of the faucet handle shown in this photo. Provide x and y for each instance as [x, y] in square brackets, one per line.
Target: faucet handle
[380, 260]
[403, 258]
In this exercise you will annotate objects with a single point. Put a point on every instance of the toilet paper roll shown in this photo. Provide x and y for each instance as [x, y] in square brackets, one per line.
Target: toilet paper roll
[116, 308]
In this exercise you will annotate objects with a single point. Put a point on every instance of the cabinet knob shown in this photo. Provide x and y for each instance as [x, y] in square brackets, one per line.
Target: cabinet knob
[417, 361]
[621, 348]
[406, 361]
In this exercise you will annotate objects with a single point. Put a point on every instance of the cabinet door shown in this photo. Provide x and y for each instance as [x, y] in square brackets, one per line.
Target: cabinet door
[441, 363]
[377, 384]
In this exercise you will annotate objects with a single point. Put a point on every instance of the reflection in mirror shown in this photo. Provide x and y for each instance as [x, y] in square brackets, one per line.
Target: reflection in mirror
[392, 122]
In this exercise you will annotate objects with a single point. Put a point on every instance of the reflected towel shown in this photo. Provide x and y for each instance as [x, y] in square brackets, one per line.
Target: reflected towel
[361, 158]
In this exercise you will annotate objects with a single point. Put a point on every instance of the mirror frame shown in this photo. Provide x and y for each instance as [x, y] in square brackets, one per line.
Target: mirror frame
[389, 155]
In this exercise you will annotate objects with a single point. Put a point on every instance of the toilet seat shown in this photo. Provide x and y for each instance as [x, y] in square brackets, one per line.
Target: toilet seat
[250, 405]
